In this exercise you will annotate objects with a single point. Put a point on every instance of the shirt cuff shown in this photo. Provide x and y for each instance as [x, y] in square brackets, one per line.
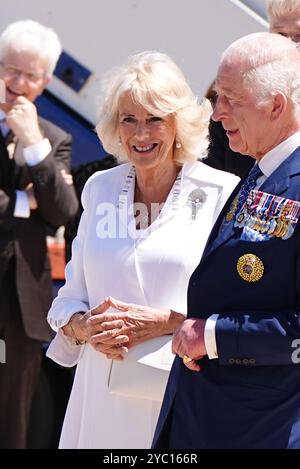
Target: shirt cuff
[36, 153]
[22, 209]
[210, 336]
[63, 352]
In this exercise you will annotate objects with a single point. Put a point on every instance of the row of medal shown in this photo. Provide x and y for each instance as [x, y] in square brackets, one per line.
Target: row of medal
[268, 214]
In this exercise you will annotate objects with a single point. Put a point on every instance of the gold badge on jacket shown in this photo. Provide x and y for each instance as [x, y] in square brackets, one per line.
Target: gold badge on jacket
[250, 267]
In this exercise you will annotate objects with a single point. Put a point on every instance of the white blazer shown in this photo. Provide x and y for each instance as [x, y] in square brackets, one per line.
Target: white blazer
[149, 267]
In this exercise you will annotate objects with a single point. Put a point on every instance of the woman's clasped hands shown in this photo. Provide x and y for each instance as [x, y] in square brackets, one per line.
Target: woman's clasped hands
[115, 326]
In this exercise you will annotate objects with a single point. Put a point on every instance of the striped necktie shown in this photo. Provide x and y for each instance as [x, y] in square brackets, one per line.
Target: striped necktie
[248, 185]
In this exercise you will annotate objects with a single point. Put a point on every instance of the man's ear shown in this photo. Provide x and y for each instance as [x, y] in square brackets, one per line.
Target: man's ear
[279, 105]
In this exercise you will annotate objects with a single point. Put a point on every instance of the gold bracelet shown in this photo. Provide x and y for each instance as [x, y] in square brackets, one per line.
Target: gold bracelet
[77, 341]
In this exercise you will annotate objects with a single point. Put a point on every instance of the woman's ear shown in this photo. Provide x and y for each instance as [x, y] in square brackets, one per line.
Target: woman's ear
[279, 105]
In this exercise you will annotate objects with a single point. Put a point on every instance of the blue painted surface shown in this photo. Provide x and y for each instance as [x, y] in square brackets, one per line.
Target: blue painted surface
[86, 145]
[71, 72]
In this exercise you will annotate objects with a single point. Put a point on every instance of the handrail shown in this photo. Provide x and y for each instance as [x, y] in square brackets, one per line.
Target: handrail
[255, 8]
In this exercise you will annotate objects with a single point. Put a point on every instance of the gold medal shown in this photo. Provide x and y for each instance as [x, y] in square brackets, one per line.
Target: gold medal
[250, 267]
[230, 214]
[283, 230]
[257, 224]
[278, 228]
[272, 226]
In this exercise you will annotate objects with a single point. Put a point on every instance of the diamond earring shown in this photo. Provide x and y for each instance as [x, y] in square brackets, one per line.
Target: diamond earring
[178, 145]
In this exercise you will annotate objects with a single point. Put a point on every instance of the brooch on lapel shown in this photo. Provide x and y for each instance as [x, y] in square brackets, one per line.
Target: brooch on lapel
[196, 199]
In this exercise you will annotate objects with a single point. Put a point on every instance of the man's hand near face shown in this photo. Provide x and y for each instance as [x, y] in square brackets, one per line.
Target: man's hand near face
[22, 119]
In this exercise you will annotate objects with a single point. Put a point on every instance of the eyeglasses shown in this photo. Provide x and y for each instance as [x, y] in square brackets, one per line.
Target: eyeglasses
[14, 72]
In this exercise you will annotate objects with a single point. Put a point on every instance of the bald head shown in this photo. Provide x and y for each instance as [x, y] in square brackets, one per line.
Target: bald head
[267, 63]
[257, 49]
[258, 86]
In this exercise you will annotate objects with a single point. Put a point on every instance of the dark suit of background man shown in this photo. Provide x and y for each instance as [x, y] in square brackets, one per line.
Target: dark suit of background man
[236, 378]
[284, 19]
[36, 193]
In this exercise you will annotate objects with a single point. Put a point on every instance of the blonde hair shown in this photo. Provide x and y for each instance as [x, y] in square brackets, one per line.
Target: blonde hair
[282, 7]
[158, 85]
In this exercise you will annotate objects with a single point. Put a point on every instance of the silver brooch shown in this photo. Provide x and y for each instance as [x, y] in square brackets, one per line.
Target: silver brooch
[196, 198]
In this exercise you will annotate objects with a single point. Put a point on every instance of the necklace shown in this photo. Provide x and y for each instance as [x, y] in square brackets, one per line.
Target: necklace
[145, 217]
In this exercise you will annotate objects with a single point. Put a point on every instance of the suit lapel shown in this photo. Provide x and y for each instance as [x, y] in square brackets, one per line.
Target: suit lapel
[19, 171]
[218, 237]
[6, 165]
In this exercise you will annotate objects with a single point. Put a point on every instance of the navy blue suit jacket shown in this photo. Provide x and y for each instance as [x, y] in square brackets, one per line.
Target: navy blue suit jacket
[250, 396]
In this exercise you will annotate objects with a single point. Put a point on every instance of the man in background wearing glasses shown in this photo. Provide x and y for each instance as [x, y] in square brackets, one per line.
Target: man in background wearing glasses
[36, 192]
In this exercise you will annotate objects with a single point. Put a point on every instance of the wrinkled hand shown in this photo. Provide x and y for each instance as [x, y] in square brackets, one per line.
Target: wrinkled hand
[82, 329]
[33, 205]
[128, 324]
[189, 340]
[22, 119]
[105, 332]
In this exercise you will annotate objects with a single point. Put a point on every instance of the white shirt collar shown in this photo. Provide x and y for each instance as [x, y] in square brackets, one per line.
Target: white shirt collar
[277, 155]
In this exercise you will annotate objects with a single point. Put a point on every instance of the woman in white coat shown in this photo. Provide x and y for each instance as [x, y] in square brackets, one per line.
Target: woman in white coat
[142, 233]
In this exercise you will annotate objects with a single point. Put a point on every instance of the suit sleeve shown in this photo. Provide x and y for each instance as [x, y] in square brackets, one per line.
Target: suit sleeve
[57, 201]
[258, 338]
[265, 338]
[7, 195]
[7, 206]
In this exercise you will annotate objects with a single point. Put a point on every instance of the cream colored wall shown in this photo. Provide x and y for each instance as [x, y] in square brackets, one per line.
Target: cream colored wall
[102, 33]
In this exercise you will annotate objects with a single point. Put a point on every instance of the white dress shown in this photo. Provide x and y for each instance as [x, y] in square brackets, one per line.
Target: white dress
[150, 267]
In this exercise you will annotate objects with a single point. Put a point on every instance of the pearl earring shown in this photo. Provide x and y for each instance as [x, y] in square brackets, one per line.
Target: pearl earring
[178, 145]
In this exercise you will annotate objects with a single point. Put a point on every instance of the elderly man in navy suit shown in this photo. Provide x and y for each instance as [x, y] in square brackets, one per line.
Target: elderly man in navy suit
[236, 378]
[284, 19]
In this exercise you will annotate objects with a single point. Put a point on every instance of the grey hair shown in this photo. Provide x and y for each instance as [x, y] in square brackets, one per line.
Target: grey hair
[31, 36]
[282, 7]
[269, 63]
[158, 85]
